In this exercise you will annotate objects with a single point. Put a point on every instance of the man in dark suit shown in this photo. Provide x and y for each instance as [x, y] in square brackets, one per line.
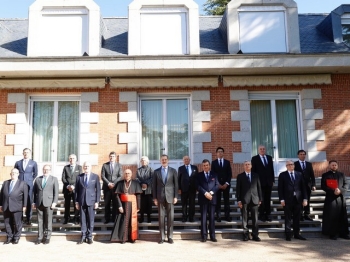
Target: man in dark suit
[111, 173]
[165, 188]
[208, 187]
[45, 196]
[292, 194]
[69, 176]
[13, 202]
[306, 169]
[28, 171]
[87, 197]
[262, 164]
[222, 168]
[249, 197]
[187, 188]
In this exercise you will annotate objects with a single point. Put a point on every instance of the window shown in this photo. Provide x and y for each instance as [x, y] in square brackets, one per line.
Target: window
[345, 21]
[262, 29]
[163, 31]
[165, 128]
[275, 123]
[55, 129]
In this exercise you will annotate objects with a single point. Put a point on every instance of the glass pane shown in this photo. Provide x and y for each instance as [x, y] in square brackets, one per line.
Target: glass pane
[346, 33]
[152, 128]
[261, 123]
[287, 128]
[42, 131]
[68, 129]
[177, 124]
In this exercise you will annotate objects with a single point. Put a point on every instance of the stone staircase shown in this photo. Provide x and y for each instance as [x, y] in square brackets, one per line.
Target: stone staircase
[187, 230]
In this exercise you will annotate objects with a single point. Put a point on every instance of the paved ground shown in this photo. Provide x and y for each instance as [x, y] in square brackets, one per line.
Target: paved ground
[270, 249]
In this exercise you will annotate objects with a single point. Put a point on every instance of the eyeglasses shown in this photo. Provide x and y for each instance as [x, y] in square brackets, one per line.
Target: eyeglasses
[290, 165]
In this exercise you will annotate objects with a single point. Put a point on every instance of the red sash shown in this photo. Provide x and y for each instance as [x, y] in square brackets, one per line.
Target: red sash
[132, 199]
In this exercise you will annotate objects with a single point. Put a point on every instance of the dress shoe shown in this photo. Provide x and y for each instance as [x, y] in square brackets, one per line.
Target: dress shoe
[123, 242]
[161, 241]
[302, 218]
[15, 241]
[170, 241]
[106, 221]
[38, 242]
[133, 241]
[141, 220]
[288, 238]
[333, 237]
[345, 236]
[81, 241]
[183, 220]
[8, 241]
[268, 218]
[262, 218]
[308, 218]
[228, 219]
[245, 238]
[76, 222]
[149, 220]
[46, 241]
[191, 219]
[29, 223]
[213, 240]
[89, 241]
[65, 221]
[203, 240]
[218, 219]
[256, 238]
[299, 237]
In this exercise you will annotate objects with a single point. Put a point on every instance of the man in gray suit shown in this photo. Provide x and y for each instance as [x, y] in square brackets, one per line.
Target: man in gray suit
[165, 188]
[28, 171]
[69, 176]
[111, 173]
[45, 195]
[13, 202]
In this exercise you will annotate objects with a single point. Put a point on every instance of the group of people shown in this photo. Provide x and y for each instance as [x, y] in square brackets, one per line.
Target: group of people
[125, 197]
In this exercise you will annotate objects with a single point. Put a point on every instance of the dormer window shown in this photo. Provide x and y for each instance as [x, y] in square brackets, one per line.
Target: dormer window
[345, 22]
[262, 29]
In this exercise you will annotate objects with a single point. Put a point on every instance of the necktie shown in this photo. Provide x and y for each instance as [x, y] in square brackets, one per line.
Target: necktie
[86, 180]
[292, 177]
[265, 161]
[44, 182]
[188, 171]
[220, 162]
[71, 169]
[248, 175]
[25, 164]
[11, 186]
[303, 163]
[164, 175]
[111, 166]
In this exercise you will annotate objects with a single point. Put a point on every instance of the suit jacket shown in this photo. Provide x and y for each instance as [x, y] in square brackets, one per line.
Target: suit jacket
[69, 178]
[145, 176]
[286, 187]
[48, 194]
[89, 194]
[204, 186]
[30, 173]
[308, 173]
[266, 174]
[107, 177]
[168, 191]
[18, 197]
[187, 182]
[224, 173]
[248, 191]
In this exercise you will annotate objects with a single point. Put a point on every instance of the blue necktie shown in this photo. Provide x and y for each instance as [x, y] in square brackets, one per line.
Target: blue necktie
[303, 165]
[11, 185]
[164, 175]
[44, 182]
[86, 180]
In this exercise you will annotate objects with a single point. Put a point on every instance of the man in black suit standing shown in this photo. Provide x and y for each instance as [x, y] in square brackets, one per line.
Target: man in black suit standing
[292, 195]
[28, 171]
[222, 168]
[262, 164]
[69, 176]
[187, 188]
[249, 197]
[165, 188]
[111, 173]
[307, 171]
[13, 202]
[45, 195]
[208, 186]
[87, 197]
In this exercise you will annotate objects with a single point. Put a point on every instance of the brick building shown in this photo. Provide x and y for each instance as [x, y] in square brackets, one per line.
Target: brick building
[166, 80]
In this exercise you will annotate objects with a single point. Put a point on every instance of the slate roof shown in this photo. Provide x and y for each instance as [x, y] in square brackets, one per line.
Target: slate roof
[14, 33]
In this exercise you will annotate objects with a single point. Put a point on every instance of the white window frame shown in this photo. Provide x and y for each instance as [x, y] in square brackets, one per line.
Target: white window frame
[266, 9]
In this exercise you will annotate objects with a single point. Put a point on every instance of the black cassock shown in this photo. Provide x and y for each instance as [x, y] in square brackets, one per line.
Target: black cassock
[125, 225]
[335, 219]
